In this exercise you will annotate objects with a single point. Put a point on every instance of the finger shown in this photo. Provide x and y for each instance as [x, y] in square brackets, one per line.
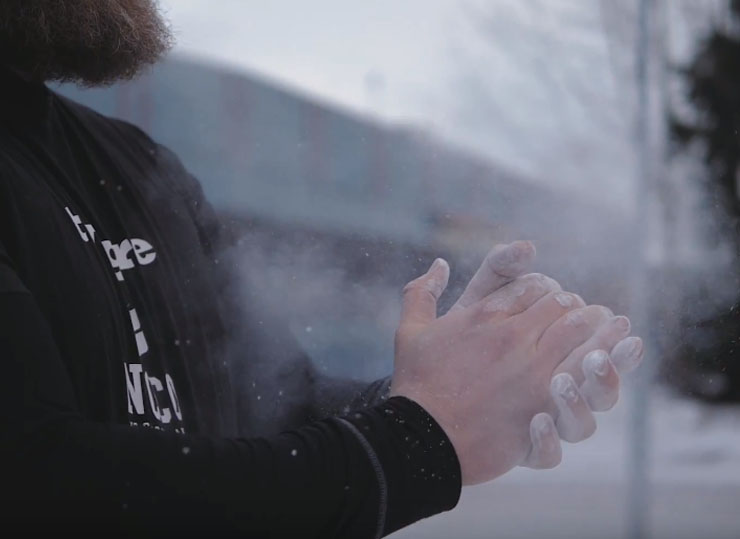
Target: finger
[601, 385]
[545, 311]
[545, 452]
[518, 295]
[575, 422]
[420, 295]
[503, 264]
[627, 354]
[606, 337]
[558, 341]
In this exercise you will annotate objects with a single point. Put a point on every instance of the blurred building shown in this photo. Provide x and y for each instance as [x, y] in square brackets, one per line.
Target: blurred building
[377, 201]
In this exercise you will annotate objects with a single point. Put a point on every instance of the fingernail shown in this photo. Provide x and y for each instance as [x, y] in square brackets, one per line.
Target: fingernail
[519, 249]
[538, 284]
[540, 425]
[623, 323]
[627, 354]
[564, 387]
[575, 318]
[513, 258]
[565, 300]
[597, 362]
[548, 283]
[437, 264]
[438, 275]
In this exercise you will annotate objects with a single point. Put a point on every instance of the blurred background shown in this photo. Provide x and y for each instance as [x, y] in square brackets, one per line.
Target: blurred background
[350, 143]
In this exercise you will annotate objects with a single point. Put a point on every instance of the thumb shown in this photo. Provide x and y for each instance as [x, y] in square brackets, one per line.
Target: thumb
[420, 295]
[503, 264]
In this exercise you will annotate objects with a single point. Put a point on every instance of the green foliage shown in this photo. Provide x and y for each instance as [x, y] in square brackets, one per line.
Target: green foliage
[708, 364]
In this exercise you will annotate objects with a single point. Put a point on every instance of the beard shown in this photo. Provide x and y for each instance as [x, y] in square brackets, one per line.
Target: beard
[89, 42]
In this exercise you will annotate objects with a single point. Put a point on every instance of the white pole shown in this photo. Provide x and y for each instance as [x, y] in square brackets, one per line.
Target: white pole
[638, 483]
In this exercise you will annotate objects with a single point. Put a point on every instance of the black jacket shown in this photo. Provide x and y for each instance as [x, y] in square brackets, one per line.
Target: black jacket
[128, 395]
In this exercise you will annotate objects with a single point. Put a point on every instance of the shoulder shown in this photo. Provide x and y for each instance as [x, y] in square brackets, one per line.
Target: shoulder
[102, 125]
[130, 140]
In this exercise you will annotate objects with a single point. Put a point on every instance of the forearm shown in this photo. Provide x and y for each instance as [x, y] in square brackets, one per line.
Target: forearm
[334, 396]
[363, 475]
[278, 387]
[356, 476]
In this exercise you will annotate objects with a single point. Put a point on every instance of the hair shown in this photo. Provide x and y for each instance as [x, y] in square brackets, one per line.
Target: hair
[89, 42]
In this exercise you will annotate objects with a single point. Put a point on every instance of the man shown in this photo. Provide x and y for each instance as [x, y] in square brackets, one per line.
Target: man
[127, 395]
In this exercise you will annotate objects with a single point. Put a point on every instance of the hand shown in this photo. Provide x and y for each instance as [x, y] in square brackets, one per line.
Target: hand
[599, 383]
[483, 370]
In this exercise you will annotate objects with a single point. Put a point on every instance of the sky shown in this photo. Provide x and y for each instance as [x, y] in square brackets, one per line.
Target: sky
[328, 48]
[540, 87]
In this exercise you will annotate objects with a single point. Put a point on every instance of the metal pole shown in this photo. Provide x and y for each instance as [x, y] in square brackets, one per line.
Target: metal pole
[638, 486]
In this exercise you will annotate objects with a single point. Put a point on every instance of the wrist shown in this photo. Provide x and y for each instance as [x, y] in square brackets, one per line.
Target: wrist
[420, 468]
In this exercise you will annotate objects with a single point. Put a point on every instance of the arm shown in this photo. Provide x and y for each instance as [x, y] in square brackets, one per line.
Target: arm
[276, 383]
[339, 477]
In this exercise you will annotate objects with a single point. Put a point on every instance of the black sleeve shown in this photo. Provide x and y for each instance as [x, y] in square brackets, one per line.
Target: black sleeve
[363, 475]
[280, 386]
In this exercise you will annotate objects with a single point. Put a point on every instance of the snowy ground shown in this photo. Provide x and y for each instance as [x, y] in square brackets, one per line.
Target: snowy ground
[694, 469]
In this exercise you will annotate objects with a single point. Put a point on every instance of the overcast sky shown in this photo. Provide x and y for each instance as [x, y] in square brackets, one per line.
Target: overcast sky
[326, 47]
[538, 86]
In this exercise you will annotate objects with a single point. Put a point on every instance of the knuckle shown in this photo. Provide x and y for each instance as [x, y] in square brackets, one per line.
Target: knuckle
[597, 313]
[412, 286]
[610, 334]
[420, 288]
[589, 318]
[577, 318]
[552, 284]
[408, 289]
[593, 310]
[565, 300]
[509, 337]
[537, 282]
[515, 331]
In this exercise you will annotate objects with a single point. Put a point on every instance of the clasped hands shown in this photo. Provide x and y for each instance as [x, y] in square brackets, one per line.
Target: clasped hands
[516, 365]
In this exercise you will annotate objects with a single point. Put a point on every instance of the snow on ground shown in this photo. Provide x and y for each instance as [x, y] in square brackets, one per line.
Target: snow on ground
[694, 471]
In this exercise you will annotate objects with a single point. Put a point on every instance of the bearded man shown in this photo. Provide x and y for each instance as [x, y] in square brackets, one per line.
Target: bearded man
[125, 411]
